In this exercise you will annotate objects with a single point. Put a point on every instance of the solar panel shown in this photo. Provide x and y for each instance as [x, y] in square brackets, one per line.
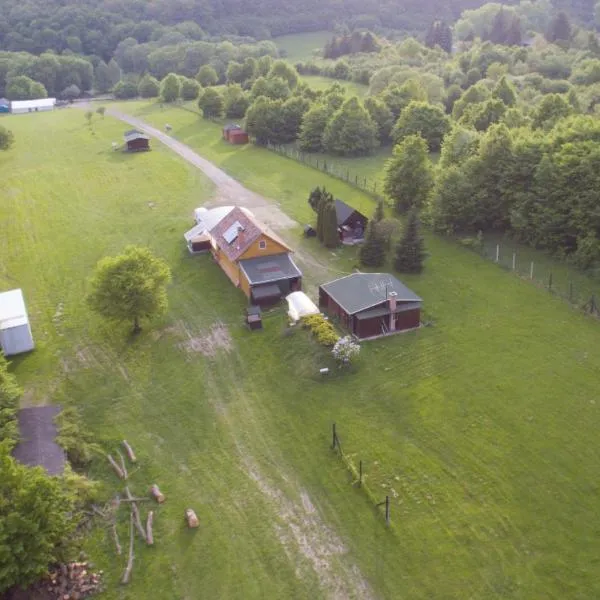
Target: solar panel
[232, 232]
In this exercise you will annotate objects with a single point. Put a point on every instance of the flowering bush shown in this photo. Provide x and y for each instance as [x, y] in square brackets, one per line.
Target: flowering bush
[321, 328]
[345, 350]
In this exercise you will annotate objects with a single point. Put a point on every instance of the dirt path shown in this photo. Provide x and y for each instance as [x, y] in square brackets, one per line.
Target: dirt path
[229, 191]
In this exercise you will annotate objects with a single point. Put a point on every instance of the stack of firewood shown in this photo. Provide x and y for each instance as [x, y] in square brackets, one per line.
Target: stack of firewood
[73, 581]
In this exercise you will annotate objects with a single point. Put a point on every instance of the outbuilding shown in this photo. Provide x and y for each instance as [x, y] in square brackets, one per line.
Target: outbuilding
[300, 305]
[136, 141]
[234, 134]
[15, 332]
[371, 305]
[27, 106]
[351, 223]
[4, 105]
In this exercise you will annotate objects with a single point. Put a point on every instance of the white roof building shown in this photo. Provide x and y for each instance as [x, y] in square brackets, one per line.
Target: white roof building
[15, 332]
[27, 106]
[300, 305]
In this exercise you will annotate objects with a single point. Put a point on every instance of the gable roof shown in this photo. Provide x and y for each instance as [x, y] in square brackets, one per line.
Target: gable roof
[361, 291]
[344, 212]
[134, 134]
[231, 127]
[226, 229]
[37, 446]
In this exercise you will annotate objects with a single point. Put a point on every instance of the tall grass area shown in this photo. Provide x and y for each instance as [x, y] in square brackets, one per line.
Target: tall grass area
[299, 47]
[482, 427]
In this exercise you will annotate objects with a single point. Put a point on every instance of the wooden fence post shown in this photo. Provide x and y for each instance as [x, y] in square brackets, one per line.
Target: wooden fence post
[387, 510]
[334, 438]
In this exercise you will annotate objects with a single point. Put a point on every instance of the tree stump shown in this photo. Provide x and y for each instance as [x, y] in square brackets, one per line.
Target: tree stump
[157, 494]
[191, 518]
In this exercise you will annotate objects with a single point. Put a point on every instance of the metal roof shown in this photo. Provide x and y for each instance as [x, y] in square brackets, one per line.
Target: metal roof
[343, 212]
[12, 309]
[37, 446]
[361, 291]
[134, 134]
[40, 103]
[266, 269]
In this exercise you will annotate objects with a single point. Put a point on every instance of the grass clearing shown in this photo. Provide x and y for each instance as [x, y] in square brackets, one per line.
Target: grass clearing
[302, 46]
[482, 427]
[319, 82]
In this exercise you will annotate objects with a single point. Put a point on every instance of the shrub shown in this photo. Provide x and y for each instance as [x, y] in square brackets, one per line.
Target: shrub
[345, 350]
[322, 329]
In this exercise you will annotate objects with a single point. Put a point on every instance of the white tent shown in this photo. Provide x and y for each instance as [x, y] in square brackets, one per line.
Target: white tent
[300, 305]
[27, 106]
[15, 333]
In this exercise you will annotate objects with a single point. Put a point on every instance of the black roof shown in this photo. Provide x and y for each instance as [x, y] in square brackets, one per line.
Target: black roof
[134, 134]
[361, 291]
[231, 127]
[344, 212]
[267, 269]
[37, 446]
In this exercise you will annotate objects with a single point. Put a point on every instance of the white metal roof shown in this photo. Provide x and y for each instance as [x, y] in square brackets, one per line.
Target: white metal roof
[12, 309]
[300, 305]
[210, 218]
[41, 103]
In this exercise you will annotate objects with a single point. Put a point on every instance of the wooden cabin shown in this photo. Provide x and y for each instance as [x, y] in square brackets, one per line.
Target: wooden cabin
[351, 223]
[234, 134]
[136, 141]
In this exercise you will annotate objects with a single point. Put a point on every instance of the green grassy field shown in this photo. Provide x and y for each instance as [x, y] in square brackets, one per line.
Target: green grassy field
[321, 83]
[482, 427]
[302, 46]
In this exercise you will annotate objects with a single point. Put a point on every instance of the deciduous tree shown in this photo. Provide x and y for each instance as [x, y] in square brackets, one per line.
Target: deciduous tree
[350, 131]
[211, 103]
[170, 88]
[235, 101]
[190, 88]
[409, 174]
[382, 117]
[149, 87]
[313, 125]
[130, 287]
[207, 76]
[6, 138]
[425, 119]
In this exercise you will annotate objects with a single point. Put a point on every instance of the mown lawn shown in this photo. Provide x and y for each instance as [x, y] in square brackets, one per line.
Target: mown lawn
[301, 46]
[482, 427]
[318, 82]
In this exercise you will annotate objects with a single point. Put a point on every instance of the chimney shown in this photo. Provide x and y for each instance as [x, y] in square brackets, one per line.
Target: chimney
[392, 304]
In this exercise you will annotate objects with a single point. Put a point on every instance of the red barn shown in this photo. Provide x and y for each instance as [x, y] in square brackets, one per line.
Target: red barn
[371, 305]
[234, 134]
[136, 141]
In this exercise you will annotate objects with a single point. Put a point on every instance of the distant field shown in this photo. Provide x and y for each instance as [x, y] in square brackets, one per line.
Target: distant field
[301, 46]
[482, 428]
[320, 83]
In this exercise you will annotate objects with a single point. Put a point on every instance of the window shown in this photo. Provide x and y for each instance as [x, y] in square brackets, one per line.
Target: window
[262, 245]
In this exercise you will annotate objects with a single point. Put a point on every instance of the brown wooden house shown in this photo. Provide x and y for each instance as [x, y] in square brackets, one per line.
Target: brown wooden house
[136, 141]
[371, 305]
[234, 134]
[351, 223]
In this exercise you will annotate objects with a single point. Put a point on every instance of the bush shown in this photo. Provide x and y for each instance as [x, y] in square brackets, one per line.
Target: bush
[322, 329]
[74, 438]
[345, 350]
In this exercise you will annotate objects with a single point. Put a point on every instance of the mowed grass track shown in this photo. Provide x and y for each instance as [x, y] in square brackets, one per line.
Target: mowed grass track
[483, 427]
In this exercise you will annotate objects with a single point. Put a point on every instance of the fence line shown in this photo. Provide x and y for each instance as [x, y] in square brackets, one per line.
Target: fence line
[358, 475]
[329, 166]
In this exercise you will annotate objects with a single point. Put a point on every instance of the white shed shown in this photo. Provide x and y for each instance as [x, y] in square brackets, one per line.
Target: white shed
[15, 333]
[27, 106]
[300, 305]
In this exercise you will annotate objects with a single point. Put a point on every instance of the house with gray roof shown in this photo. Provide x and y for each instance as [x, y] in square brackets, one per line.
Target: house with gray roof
[371, 305]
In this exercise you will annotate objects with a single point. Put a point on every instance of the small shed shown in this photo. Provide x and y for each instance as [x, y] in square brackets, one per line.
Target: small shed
[351, 223]
[234, 134]
[4, 105]
[197, 239]
[136, 141]
[371, 305]
[300, 305]
[15, 332]
[254, 317]
[37, 446]
[27, 106]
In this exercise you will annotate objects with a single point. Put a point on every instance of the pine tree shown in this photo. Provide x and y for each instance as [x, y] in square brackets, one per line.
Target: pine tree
[372, 252]
[378, 215]
[314, 199]
[331, 238]
[559, 28]
[410, 250]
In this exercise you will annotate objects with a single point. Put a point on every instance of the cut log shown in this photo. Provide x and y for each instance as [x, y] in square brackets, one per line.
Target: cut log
[136, 514]
[129, 567]
[191, 518]
[157, 494]
[116, 538]
[130, 452]
[149, 535]
[123, 466]
[115, 466]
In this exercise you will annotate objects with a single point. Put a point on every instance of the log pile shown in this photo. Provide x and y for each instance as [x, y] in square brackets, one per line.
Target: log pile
[157, 494]
[191, 518]
[73, 581]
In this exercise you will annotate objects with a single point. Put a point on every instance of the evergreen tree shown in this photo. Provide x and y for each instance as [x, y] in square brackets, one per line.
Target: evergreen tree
[409, 174]
[559, 28]
[324, 220]
[379, 214]
[351, 131]
[410, 250]
[314, 198]
[331, 238]
[372, 252]
[439, 34]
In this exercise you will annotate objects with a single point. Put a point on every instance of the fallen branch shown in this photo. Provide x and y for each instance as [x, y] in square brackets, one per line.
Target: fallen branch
[136, 514]
[98, 511]
[129, 567]
[130, 452]
[115, 466]
[123, 466]
[116, 538]
[149, 535]
[133, 499]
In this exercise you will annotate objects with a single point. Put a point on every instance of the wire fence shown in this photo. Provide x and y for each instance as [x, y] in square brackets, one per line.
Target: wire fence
[358, 478]
[331, 167]
[579, 291]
